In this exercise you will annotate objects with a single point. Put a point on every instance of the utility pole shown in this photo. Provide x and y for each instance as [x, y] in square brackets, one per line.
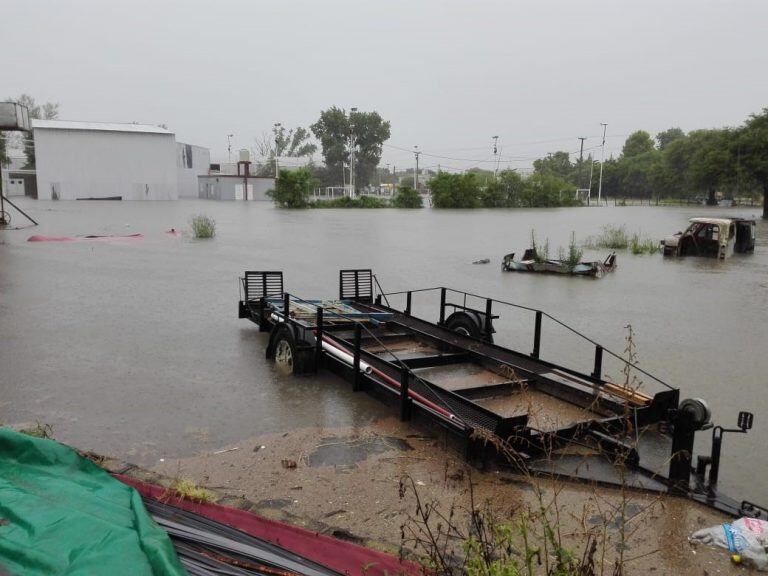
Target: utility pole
[602, 160]
[229, 146]
[581, 161]
[495, 155]
[416, 173]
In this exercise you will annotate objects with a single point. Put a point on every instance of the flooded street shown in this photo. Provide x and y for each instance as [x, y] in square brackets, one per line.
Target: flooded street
[133, 347]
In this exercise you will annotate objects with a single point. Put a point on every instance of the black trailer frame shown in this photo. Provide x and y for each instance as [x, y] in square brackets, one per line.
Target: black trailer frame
[334, 335]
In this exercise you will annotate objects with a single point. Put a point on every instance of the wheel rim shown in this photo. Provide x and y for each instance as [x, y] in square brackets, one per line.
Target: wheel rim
[284, 357]
[461, 330]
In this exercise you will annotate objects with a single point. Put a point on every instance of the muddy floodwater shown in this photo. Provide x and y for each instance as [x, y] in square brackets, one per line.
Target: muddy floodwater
[133, 347]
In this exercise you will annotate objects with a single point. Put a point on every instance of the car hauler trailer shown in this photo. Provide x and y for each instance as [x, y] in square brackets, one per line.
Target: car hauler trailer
[496, 403]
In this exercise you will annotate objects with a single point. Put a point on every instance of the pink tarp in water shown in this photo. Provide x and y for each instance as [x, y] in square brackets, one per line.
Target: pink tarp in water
[38, 238]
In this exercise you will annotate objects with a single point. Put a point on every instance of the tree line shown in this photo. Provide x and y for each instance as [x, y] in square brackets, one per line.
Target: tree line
[698, 165]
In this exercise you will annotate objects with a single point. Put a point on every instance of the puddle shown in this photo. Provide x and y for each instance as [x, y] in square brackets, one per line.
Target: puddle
[347, 452]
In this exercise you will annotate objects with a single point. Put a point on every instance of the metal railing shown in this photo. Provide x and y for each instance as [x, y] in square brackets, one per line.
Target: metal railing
[599, 349]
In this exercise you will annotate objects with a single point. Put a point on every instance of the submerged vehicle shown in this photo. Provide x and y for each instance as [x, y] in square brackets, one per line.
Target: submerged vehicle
[713, 238]
[532, 263]
[493, 403]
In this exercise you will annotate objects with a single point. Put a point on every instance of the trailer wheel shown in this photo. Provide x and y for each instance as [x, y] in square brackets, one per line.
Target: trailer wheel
[282, 349]
[467, 325]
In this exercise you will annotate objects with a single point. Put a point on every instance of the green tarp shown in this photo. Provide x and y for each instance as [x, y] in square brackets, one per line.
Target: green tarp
[62, 514]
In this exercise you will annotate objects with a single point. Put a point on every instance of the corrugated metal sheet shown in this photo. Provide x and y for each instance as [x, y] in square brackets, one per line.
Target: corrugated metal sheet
[99, 126]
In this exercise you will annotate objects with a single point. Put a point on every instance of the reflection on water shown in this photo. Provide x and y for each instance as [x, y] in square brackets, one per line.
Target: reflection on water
[126, 347]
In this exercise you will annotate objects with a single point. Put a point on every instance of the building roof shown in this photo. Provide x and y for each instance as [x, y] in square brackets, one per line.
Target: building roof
[99, 126]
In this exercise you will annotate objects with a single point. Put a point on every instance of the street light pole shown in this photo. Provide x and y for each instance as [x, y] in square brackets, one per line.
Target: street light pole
[352, 145]
[602, 160]
[416, 173]
[229, 146]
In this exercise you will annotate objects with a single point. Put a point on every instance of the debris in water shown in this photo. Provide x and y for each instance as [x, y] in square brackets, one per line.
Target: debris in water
[482, 261]
[227, 450]
[289, 464]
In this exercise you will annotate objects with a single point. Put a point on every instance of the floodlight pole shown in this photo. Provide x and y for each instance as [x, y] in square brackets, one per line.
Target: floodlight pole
[602, 160]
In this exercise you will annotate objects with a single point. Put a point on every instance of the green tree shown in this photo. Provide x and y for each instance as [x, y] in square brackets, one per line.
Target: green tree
[557, 164]
[545, 190]
[711, 163]
[637, 143]
[665, 138]
[407, 197]
[455, 190]
[752, 151]
[338, 132]
[293, 188]
[47, 111]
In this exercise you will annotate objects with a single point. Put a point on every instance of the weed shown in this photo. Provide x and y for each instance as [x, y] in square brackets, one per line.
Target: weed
[185, 488]
[203, 226]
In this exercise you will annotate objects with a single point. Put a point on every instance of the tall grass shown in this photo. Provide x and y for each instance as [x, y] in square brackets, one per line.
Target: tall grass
[617, 238]
[611, 237]
[203, 226]
[640, 245]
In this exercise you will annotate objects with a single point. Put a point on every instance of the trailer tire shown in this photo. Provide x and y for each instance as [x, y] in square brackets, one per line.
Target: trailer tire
[467, 325]
[284, 351]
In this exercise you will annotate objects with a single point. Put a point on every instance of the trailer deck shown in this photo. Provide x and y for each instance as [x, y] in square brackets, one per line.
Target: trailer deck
[499, 404]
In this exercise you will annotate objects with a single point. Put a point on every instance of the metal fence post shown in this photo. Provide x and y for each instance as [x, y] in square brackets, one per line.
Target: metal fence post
[319, 339]
[442, 305]
[356, 383]
[537, 336]
[405, 399]
[407, 311]
[488, 320]
[597, 372]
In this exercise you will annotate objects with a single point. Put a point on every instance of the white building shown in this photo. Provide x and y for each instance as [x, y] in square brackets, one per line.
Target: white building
[191, 162]
[95, 160]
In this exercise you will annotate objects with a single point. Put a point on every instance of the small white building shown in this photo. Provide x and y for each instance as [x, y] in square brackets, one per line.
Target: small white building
[96, 160]
[191, 162]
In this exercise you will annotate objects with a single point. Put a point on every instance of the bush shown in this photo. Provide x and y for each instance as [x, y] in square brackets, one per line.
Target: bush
[407, 197]
[455, 191]
[293, 188]
[347, 202]
[203, 226]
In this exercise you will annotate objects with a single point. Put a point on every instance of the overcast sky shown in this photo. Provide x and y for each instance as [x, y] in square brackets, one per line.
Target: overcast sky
[449, 75]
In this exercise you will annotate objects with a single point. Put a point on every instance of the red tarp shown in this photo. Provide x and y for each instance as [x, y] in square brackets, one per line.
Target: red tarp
[338, 555]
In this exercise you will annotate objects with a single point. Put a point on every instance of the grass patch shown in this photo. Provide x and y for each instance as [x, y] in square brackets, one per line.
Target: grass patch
[187, 489]
[203, 226]
[347, 202]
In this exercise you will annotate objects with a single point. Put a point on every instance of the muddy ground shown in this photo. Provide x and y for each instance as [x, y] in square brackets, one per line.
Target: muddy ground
[348, 483]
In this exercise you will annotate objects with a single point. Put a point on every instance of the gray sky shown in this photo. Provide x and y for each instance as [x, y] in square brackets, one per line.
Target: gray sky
[449, 75]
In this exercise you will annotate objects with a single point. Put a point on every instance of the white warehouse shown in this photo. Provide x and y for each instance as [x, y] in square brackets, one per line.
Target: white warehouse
[95, 160]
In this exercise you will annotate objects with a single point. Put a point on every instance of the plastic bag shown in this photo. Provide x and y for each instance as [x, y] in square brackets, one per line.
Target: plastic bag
[746, 539]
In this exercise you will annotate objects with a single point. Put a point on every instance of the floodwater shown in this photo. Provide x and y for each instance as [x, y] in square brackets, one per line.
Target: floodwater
[133, 347]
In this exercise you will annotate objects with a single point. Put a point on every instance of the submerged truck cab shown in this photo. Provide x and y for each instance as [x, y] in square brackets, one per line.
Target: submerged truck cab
[713, 238]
